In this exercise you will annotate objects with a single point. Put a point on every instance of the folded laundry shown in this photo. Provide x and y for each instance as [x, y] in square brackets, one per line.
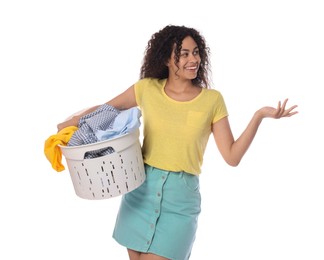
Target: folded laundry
[125, 122]
[104, 123]
[101, 119]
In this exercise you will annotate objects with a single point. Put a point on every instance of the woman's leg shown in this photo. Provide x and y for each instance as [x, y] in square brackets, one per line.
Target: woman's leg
[145, 256]
[134, 255]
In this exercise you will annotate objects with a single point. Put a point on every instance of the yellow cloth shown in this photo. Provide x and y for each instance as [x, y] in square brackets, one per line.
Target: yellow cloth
[52, 150]
[176, 133]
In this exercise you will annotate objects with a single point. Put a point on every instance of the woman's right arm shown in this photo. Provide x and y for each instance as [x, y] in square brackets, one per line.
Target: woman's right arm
[123, 101]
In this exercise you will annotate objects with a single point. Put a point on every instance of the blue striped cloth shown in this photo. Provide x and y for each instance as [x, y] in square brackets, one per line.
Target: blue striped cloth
[101, 119]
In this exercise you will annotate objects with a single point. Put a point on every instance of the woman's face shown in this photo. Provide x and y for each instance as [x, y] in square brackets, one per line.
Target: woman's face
[189, 60]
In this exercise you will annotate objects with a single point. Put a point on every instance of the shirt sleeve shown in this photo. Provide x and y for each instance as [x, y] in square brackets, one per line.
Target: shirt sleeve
[139, 88]
[220, 108]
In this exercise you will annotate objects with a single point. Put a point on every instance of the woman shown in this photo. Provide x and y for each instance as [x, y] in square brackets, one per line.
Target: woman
[158, 220]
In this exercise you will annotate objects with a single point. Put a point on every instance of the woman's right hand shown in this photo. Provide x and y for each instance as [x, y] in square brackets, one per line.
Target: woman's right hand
[72, 121]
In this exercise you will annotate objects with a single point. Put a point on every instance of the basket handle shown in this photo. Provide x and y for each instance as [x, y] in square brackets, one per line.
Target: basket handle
[78, 152]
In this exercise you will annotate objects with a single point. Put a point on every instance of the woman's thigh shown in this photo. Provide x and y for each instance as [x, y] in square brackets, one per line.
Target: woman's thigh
[134, 255]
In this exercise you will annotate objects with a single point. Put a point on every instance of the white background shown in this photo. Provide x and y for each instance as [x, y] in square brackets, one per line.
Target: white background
[57, 57]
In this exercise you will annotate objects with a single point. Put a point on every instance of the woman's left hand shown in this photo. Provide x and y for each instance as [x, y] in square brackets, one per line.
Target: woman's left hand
[278, 112]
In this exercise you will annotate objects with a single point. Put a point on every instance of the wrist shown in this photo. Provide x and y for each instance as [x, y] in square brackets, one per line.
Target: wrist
[258, 115]
[75, 120]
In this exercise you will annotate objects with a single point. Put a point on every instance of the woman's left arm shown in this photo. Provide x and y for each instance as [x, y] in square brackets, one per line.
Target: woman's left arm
[233, 150]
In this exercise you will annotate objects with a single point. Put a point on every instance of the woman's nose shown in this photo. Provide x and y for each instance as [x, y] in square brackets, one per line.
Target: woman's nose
[192, 58]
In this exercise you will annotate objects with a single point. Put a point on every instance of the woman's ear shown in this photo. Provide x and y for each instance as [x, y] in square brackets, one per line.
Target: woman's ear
[167, 63]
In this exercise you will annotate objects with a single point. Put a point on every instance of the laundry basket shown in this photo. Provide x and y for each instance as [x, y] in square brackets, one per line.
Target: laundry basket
[110, 175]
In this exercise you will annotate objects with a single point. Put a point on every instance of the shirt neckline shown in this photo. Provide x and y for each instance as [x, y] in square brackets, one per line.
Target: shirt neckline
[177, 101]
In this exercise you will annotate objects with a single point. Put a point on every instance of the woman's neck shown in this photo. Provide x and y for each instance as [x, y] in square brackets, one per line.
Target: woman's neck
[181, 91]
[178, 86]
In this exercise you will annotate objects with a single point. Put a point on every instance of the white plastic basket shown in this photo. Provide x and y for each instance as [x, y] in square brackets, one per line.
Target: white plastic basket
[110, 175]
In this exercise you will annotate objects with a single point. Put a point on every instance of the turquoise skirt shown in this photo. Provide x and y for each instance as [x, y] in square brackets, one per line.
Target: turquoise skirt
[160, 216]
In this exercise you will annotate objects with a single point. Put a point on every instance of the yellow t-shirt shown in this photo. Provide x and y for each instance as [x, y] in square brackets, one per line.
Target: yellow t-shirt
[175, 132]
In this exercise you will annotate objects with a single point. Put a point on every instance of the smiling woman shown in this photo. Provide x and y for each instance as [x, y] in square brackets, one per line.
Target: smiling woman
[188, 62]
[159, 219]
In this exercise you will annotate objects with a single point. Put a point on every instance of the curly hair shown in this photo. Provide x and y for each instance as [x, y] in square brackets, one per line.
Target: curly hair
[159, 49]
